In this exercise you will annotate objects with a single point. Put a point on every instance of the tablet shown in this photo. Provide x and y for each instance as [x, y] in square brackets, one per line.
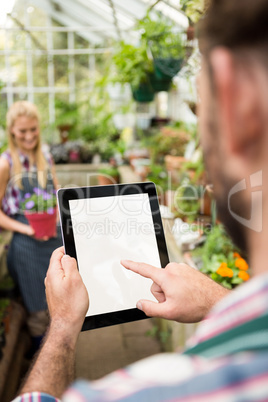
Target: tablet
[102, 225]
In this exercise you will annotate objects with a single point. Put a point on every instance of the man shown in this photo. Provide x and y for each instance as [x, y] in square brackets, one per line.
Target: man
[228, 358]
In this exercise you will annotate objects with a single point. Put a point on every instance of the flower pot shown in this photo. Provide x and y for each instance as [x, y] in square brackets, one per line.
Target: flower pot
[205, 207]
[160, 121]
[74, 156]
[143, 93]
[190, 32]
[44, 224]
[167, 68]
[169, 198]
[160, 84]
[105, 180]
[64, 130]
[174, 162]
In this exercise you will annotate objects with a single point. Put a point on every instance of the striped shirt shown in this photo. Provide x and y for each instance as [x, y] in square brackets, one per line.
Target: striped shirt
[227, 360]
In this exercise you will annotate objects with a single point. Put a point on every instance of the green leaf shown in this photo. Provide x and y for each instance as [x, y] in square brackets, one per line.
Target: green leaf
[237, 281]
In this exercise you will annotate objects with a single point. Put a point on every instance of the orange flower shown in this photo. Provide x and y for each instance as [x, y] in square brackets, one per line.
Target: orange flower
[241, 264]
[236, 255]
[243, 275]
[224, 271]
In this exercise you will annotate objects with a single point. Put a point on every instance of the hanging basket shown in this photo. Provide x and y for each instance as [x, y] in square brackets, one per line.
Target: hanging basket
[160, 84]
[143, 93]
[44, 224]
[167, 68]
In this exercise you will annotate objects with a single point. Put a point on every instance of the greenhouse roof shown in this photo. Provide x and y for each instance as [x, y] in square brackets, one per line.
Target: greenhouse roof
[97, 20]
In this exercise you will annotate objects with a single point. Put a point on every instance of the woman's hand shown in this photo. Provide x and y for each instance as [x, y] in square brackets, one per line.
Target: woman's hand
[29, 231]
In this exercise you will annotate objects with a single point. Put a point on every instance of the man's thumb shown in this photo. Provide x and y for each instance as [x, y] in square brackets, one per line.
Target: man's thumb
[68, 264]
[150, 308]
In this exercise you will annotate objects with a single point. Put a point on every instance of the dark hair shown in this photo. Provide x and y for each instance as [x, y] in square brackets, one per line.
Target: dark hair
[235, 24]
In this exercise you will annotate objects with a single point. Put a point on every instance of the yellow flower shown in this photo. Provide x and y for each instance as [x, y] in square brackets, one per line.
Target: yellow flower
[224, 271]
[243, 275]
[236, 255]
[241, 264]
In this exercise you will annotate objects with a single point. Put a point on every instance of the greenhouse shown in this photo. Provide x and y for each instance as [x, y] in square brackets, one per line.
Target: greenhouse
[132, 138]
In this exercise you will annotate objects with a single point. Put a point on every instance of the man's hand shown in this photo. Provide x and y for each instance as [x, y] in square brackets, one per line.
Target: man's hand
[183, 293]
[66, 294]
[68, 302]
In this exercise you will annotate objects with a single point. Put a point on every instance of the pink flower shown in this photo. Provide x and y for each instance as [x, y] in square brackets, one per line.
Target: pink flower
[29, 204]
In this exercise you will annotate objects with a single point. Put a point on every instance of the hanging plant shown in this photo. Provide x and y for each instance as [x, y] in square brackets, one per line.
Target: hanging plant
[166, 44]
[132, 63]
[150, 66]
[194, 9]
[134, 66]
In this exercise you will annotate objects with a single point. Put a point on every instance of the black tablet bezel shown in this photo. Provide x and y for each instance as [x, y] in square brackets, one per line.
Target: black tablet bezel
[64, 195]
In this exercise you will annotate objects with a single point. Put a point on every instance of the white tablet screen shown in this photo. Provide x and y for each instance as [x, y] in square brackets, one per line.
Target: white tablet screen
[107, 230]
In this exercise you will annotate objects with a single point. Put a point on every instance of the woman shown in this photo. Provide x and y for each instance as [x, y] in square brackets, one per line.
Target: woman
[23, 167]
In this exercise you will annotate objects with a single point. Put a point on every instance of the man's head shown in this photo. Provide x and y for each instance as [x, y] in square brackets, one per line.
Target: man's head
[233, 110]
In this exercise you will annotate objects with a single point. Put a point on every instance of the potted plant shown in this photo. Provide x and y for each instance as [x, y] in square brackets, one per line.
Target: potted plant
[108, 175]
[59, 153]
[195, 170]
[86, 153]
[167, 47]
[194, 9]
[100, 135]
[74, 151]
[150, 65]
[40, 210]
[133, 66]
[67, 118]
[164, 141]
[221, 260]
[187, 202]
[158, 175]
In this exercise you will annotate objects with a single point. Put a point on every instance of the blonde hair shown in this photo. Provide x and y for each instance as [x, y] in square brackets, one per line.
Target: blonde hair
[28, 109]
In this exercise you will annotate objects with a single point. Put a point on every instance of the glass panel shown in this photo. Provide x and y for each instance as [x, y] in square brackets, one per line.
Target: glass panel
[20, 96]
[39, 40]
[18, 72]
[16, 40]
[81, 69]
[40, 77]
[41, 101]
[61, 70]
[36, 16]
[3, 111]
[80, 43]
[60, 40]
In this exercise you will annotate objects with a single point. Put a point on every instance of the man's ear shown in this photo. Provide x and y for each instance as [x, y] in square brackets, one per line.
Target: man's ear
[237, 95]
